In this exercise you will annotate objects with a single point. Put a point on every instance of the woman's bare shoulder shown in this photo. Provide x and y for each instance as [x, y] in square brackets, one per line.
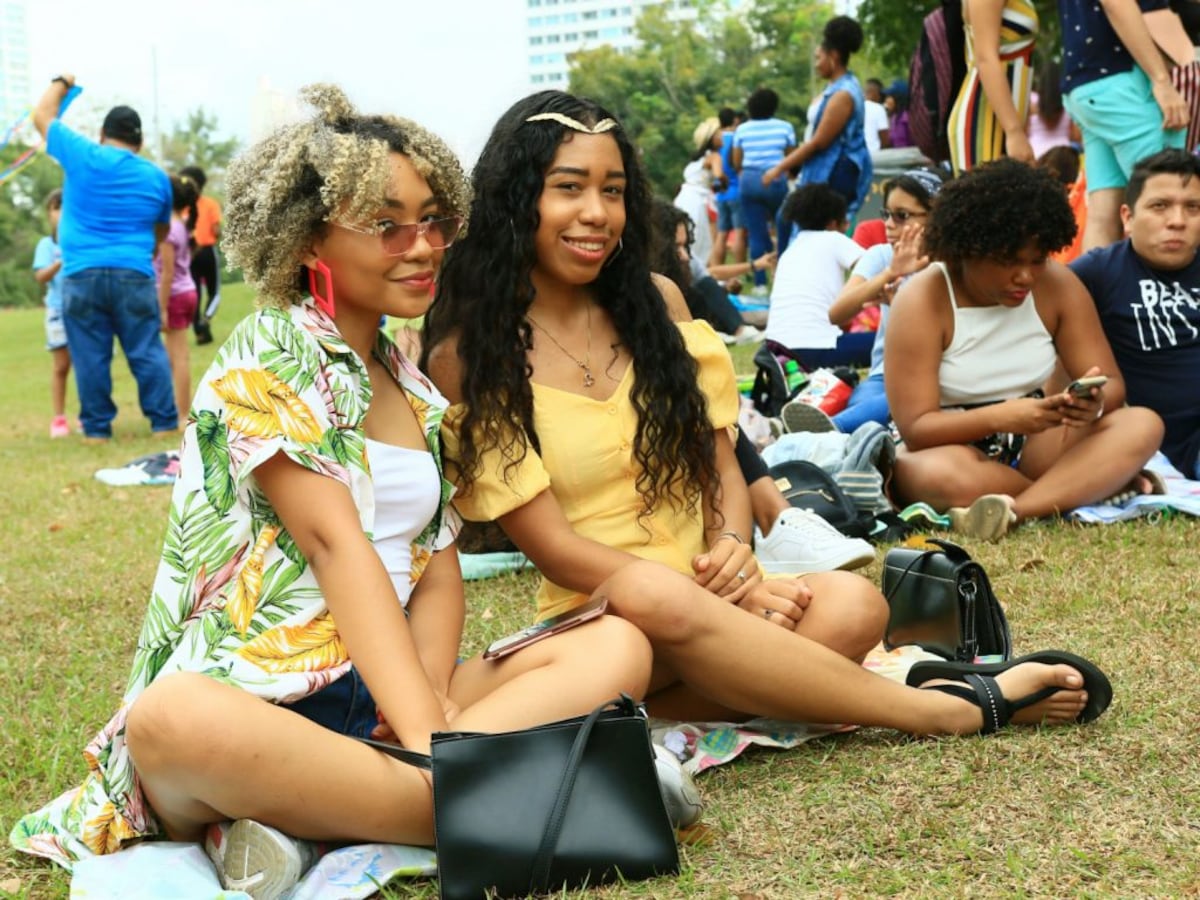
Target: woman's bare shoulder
[444, 367]
[677, 307]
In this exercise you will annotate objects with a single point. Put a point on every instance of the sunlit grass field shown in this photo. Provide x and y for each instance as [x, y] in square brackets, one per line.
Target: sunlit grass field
[1112, 809]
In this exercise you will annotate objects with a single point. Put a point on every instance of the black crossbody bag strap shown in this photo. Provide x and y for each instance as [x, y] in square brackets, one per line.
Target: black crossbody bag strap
[904, 574]
[540, 879]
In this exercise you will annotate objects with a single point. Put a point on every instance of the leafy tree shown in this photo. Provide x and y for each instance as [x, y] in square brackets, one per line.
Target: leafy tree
[684, 71]
[193, 142]
[22, 223]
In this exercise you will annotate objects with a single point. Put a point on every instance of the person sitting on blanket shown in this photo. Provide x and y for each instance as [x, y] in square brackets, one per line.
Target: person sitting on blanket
[1147, 291]
[309, 592]
[590, 420]
[976, 336]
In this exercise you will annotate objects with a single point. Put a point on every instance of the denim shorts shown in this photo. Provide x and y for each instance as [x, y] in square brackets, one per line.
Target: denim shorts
[346, 706]
[56, 331]
[729, 215]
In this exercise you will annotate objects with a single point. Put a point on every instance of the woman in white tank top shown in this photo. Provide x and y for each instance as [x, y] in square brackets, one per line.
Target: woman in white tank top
[977, 346]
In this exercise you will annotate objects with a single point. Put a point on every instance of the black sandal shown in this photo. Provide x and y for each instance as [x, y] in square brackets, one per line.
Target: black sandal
[980, 687]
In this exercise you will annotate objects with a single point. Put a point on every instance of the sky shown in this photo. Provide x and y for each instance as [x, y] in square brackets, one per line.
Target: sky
[452, 65]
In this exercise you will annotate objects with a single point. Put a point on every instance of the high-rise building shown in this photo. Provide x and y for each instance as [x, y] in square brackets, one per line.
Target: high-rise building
[557, 28]
[15, 73]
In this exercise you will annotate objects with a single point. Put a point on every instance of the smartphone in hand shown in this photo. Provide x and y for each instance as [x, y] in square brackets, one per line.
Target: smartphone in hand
[544, 629]
[1082, 387]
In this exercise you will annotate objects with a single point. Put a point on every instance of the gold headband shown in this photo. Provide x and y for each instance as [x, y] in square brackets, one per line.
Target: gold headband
[574, 124]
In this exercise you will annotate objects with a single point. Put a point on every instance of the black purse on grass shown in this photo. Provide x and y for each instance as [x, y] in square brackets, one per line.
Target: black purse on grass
[941, 600]
[565, 804]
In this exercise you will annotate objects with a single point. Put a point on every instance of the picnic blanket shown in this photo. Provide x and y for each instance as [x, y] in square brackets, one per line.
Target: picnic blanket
[1183, 495]
[158, 869]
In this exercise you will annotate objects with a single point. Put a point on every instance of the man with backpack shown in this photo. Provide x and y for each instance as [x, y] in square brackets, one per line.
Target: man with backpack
[1118, 90]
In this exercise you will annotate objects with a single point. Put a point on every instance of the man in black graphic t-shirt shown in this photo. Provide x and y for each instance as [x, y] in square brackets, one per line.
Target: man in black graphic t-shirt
[1147, 291]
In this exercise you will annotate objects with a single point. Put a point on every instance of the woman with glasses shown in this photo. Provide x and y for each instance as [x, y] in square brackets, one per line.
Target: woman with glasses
[308, 592]
[877, 275]
[973, 342]
[591, 421]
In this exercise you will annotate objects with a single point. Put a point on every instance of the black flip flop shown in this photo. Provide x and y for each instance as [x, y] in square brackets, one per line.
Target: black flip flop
[1095, 682]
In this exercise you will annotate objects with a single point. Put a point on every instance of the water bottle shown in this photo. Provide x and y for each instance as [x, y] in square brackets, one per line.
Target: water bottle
[795, 376]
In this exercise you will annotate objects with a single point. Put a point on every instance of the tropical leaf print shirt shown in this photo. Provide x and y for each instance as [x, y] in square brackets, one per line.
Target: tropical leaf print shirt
[233, 597]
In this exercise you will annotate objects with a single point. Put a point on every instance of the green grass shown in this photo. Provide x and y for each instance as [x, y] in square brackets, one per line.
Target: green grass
[1108, 810]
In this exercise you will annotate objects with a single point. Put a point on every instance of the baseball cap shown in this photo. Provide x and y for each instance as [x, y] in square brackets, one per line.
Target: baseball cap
[123, 124]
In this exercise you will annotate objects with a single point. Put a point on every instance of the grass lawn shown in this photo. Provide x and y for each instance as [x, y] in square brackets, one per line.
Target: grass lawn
[1108, 810]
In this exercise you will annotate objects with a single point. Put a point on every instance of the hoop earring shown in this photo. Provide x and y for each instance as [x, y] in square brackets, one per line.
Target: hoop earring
[325, 303]
[616, 253]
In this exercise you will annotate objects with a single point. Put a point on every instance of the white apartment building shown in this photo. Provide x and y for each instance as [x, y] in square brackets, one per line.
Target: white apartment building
[16, 83]
[557, 28]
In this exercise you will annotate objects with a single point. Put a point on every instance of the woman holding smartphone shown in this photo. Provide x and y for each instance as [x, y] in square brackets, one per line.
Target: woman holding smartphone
[590, 420]
[978, 335]
[308, 591]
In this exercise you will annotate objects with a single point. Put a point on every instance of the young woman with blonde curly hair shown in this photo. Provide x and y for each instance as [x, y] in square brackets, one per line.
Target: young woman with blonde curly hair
[308, 592]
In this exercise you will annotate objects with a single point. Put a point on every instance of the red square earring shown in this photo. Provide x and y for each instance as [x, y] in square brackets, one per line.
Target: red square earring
[326, 302]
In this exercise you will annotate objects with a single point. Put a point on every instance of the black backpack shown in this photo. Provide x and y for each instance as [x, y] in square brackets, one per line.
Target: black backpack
[771, 389]
[806, 485]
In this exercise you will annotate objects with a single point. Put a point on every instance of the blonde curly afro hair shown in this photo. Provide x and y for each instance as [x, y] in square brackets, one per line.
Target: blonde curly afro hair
[285, 189]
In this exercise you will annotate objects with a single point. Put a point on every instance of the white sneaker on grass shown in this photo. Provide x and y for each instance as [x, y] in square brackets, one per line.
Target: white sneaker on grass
[256, 858]
[802, 541]
[679, 791]
[799, 416]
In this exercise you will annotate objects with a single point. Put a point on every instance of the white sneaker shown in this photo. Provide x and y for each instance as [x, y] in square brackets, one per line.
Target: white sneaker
[799, 416]
[257, 859]
[679, 791]
[748, 334]
[802, 541]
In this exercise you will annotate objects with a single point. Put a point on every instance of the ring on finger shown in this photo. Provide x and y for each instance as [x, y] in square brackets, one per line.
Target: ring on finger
[767, 613]
[741, 575]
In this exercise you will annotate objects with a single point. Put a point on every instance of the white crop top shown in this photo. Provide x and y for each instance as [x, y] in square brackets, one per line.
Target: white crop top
[997, 352]
[407, 490]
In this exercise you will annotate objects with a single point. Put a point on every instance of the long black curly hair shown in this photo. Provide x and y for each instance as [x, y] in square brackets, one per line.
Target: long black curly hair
[997, 209]
[485, 289]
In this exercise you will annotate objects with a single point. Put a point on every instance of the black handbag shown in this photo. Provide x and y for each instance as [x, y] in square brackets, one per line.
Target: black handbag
[941, 600]
[565, 804]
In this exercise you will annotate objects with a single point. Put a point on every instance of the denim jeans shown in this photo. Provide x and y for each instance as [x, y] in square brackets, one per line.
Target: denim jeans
[346, 706]
[98, 305]
[760, 203]
[868, 403]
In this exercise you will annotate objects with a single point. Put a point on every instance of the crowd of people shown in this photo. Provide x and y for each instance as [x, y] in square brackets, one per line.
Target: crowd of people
[571, 388]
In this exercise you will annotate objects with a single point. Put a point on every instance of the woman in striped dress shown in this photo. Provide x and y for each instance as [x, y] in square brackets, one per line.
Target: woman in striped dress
[988, 118]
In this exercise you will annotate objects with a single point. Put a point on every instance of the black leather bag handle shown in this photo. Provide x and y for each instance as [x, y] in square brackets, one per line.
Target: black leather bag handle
[540, 880]
[919, 558]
